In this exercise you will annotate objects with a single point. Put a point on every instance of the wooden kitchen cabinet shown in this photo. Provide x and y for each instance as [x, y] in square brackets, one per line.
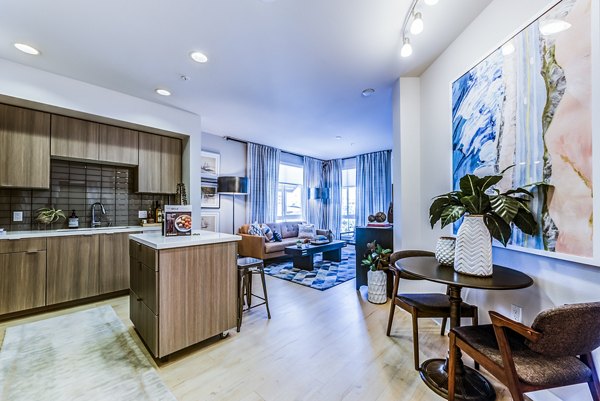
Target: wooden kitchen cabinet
[118, 145]
[22, 274]
[73, 138]
[24, 148]
[149, 165]
[159, 168]
[113, 270]
[72, 270]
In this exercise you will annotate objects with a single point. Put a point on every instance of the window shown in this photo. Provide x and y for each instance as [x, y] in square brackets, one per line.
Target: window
[289, 192]
[348, 202]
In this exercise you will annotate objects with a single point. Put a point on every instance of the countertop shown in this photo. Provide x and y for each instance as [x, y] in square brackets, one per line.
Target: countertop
[75, 231]
[198, 237]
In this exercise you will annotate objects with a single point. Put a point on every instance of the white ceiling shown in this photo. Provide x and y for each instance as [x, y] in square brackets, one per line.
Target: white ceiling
[286, 73]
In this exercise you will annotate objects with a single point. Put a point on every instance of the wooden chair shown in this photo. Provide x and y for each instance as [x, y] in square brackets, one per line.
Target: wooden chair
[421, 305]
[554, 352]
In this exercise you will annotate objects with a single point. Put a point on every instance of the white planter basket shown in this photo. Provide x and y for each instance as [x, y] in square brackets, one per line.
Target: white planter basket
[444, 250]
[377, 281]
[473, 253]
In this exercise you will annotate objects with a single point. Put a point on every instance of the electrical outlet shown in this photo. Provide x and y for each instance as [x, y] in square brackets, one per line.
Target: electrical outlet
[17, 216]
[516, 313]
[142, 214]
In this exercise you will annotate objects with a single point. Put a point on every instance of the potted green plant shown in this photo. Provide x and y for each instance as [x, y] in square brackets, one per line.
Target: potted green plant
[376, 260]
[48, 216]
[488, 213]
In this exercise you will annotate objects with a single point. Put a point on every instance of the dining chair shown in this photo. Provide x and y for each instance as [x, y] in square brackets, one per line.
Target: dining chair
[555, 351]
[421, 305]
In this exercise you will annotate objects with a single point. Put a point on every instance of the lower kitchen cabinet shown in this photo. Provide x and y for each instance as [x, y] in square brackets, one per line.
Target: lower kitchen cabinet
[73, 263]
[113, 271]
[22, 280]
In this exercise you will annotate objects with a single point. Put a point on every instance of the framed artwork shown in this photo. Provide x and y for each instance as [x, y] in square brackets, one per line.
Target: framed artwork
[209, 165]
[210, 197]
[529, 104]
[209, 221]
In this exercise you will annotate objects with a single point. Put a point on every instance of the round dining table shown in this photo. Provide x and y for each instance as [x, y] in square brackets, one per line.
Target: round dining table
[470, 384]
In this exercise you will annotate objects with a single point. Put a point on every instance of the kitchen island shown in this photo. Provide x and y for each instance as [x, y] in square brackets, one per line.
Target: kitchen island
[183, 289]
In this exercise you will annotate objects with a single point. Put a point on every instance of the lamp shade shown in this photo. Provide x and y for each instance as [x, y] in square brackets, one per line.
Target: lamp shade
[318, 193]
[232, 185]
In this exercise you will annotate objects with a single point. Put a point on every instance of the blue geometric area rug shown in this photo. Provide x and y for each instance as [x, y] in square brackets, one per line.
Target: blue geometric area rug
[326, 274]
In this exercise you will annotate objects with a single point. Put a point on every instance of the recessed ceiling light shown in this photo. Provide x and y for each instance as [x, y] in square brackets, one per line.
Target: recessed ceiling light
[27, 49]
[163, 92]
[417, 25]
[199, 57]
[368, 92]
[431, 2]
[338, 137]
[552, 26]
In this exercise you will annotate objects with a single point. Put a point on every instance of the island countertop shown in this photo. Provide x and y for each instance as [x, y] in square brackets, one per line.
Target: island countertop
[198, 237]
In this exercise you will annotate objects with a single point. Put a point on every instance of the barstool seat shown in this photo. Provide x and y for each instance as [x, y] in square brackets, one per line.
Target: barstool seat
[247, 267]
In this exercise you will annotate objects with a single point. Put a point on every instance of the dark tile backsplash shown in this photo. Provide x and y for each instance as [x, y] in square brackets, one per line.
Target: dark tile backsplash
[76, 186]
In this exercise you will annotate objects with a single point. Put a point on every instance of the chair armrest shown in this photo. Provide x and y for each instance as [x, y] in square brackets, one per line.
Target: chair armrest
[502, 321]
[252, 245]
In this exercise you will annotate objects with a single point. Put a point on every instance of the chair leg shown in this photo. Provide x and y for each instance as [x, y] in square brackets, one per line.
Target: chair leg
[240, 299]
[249, 289]
[391, 318]
[264, 284]
[593, 383]
[452, 367]
[415, 324]
[475, 322]
[443, 330]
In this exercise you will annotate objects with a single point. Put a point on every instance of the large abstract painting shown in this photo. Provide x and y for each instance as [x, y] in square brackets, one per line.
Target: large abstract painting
[529, 104]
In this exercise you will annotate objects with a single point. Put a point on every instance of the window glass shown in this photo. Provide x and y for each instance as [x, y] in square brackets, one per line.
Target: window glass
[348, 203]
[289, 192]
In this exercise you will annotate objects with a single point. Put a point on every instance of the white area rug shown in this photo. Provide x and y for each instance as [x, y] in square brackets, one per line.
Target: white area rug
[83, 356]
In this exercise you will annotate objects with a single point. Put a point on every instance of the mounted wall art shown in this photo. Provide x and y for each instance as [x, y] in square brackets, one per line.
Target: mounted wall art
[529, 104]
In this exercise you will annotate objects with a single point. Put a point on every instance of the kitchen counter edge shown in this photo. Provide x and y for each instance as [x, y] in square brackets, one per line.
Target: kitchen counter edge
[157, 241]
[14, 235]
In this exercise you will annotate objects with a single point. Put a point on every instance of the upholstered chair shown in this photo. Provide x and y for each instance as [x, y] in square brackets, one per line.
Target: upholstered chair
[554, 352]
[421, 305]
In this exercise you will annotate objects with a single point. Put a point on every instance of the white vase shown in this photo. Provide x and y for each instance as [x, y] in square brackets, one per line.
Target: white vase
[444, 250]
[377, 281]
[473, 252]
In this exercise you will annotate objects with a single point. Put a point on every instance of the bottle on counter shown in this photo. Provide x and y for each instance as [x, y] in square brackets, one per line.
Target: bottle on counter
[158, 213]
[73, 220]
[150, 214]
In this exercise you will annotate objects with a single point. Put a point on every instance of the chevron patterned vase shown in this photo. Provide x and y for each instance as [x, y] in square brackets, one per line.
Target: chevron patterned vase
[473, 253]
[377, 281]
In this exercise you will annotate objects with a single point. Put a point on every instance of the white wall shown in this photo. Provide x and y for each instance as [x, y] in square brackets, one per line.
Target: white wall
[233, 163]
[28, 83]
[556, 281]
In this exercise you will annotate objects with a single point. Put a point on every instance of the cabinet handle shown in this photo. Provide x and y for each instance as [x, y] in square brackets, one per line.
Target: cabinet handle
[31, 252]
[139, 299]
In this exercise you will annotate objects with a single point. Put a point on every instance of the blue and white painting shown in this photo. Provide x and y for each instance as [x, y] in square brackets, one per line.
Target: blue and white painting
[528, 104]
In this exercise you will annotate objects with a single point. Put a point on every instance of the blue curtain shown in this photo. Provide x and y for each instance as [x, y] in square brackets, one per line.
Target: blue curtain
[373, 184]
[263, 178]
[312, 209]
[332, 211]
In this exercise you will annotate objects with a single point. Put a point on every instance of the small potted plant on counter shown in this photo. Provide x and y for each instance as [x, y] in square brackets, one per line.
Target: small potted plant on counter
[376, 260]
[47, 216]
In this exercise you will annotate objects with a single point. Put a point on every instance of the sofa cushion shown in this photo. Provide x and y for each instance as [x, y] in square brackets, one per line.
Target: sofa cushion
[289, 229]
[277, 236]
[244, 229]
[306, 231]
[267, 232]
[255, 229]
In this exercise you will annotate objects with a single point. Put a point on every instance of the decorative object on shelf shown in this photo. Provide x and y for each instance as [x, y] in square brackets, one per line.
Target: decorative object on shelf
[390, 214]
[444, 250]
[181, 196]
[210, 196]
[488, 211]
[488, 133]
[376, 260]
[232, 186]
[371, 218]
[210, 165]
[48, 215]
[380, 217]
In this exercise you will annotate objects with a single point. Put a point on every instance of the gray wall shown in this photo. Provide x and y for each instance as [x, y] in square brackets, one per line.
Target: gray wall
[233, 163]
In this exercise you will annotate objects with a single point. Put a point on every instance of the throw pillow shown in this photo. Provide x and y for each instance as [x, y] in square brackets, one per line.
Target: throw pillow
[306, 231]
[267, 232]
[255, 229]
[277, 236]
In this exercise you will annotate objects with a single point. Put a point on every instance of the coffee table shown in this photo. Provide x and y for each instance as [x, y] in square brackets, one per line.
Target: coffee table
[303, 257]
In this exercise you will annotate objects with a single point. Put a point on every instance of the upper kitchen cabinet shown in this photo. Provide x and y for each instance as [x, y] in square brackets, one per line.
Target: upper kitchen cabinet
[118, 145]
[24, 148]
[159, 168]
[74, 139]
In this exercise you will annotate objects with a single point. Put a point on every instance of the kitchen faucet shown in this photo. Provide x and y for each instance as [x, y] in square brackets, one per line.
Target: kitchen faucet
[98, 222]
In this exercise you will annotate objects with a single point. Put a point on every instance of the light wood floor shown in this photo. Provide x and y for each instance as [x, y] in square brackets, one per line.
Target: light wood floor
[319, 346]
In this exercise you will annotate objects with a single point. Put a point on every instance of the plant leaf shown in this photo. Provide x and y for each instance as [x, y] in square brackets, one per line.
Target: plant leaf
[505, 207]
[468, 184]
[498, 228]
[437, 207]
[489, 180]
[506, 169]
[518, 191]
[525, 222]
[451, 214]
[476, 204]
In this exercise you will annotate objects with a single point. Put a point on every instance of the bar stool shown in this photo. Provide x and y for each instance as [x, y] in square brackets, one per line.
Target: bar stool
[247, 267]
